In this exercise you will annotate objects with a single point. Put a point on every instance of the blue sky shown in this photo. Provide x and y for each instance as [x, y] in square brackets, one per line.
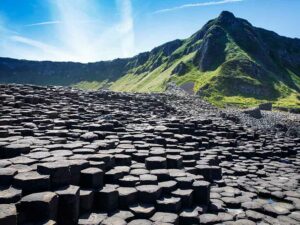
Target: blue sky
[94, 30]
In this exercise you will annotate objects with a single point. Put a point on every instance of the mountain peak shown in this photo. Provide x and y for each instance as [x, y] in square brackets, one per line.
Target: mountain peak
[226, 17]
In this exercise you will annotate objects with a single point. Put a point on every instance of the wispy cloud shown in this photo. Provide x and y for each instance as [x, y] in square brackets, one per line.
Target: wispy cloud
[12, 44]
[43, 23]
[51, 51]
[78, 33]
[32, 43]
[200, 4]
[46, 23]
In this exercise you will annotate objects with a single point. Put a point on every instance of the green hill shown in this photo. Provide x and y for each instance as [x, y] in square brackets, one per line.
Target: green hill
[228, 61]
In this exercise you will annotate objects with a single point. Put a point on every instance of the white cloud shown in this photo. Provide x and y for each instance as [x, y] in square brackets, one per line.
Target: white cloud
[86, 39]
[77, 34]
[126, 27]
[200, 4]
[78, 38]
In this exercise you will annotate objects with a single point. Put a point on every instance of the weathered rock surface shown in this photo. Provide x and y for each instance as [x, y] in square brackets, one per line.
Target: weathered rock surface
[77, 157]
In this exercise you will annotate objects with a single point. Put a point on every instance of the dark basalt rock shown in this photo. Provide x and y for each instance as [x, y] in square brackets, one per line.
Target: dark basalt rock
[68, 205]
[107, 199]
[59, 172]
[209, 219]
[180, 69]
[127, 197]
[8, 214]
[31, 182]
[119, 158]
[211, 53]
[171, 204]
[161, 217]
[6, 175]
[86, 200]
[10, 195]
[38, 207]
[295, 110]
[189, 217]
[148, 194]
[156, 162]
[13, 150]
[114, 221]
[91, 178]
[255, 113]
[201, 192]
[140, 222]
[186, 197]
[143, 211]
[265, 106]
[92, 219]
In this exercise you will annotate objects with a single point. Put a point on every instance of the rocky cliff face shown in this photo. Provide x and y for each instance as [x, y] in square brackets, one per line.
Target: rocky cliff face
[211, 53]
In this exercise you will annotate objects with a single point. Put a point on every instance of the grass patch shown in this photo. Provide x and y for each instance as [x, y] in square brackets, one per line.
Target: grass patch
[196, 76]
[234, 101]
[295, 78]
[91, 85]
[290, 101]
[233, 51]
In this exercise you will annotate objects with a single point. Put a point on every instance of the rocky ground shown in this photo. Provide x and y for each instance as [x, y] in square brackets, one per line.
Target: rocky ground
[90, 158]
[275, 121]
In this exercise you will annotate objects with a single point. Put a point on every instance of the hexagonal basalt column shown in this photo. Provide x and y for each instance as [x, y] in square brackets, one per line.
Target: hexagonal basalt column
[201, 192]
[68, 205]
[8, 214]
[59, 172]
[107, 199]
[38, 207]
[91, 178]
[156, 162]
[148, 194]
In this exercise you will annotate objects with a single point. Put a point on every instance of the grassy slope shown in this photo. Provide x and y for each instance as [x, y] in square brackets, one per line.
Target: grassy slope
[154, 81]
[215, 85]
[288, 97]
[91, 85]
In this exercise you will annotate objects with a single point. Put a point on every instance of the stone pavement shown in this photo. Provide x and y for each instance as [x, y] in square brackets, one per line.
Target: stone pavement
[90, 158]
